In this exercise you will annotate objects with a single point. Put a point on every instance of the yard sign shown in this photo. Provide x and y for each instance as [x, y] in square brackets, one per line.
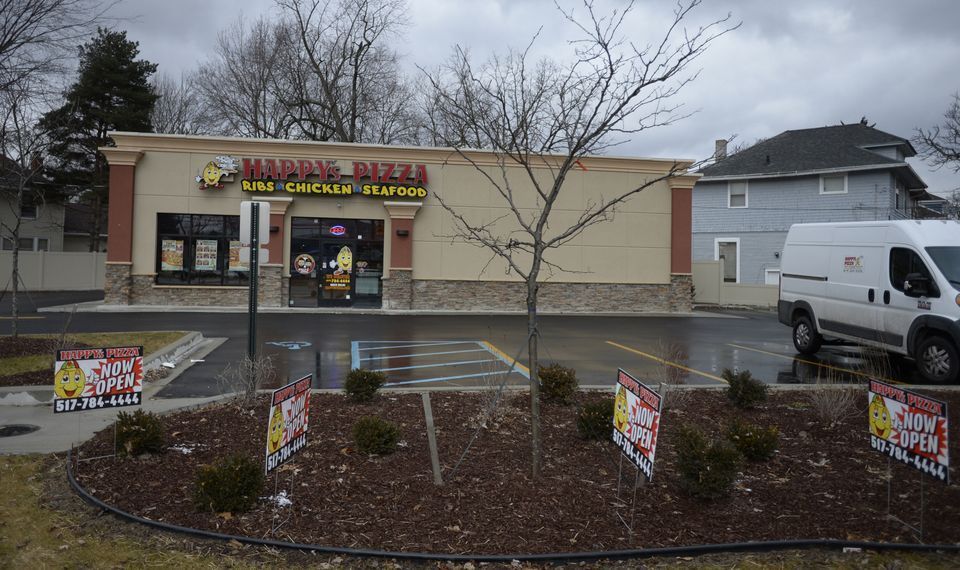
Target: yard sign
[97, 378]
[288, 420]
[909, 427]
[636, 421]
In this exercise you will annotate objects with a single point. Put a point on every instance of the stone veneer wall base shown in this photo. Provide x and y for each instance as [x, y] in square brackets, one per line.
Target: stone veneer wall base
[117, 284]
[676, 296]
[398, 290]
[143, 291]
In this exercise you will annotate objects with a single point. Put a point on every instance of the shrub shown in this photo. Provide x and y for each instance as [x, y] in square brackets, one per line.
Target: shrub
[231, 485]
[139, 432]
[745, 391]
[707, 469]
[374, 436]
[595, 420]
[362, 385]
[754, 442]
[558, 383]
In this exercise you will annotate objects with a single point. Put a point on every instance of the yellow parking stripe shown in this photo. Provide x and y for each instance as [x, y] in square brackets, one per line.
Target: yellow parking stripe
[815, 363]
[667, 362]
[506, 358]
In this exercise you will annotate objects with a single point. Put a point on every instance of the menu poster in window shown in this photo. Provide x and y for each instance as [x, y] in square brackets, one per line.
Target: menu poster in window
[171, 255]
[235, 263]
[205, 256]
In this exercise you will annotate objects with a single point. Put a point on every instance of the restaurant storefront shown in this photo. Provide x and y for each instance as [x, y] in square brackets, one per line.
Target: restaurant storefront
[359, 226]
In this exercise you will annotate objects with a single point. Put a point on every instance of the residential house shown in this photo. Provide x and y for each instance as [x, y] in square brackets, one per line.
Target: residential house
[745, 203]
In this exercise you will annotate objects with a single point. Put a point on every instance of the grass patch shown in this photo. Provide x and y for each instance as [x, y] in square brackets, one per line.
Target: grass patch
[32, 535]
[151, 342]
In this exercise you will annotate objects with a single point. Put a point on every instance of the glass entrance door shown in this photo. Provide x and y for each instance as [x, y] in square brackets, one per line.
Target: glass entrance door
[336, 272]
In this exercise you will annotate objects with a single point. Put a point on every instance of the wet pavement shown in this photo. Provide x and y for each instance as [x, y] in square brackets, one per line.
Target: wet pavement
[408, 348]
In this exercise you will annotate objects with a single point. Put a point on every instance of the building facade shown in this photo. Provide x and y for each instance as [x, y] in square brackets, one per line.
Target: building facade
[356, 225]
[746, 202]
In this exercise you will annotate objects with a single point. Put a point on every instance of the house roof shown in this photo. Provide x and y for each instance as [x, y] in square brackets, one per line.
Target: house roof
[822, 149]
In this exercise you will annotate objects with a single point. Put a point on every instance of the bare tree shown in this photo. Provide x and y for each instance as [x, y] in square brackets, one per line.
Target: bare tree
[36, 35]
[542, 117]
[940, 145]
[346, 82]
[22, 145]
[178, 109]
[240, 86]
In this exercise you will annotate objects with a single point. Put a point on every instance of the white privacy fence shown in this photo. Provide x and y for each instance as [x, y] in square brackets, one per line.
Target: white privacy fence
[710, 289]
[55, 270]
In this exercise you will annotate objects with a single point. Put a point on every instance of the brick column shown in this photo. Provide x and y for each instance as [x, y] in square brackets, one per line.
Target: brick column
[681, 230]
[117, 279]
[398, 280]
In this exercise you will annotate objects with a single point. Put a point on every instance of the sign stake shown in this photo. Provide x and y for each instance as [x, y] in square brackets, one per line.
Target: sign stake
[254, 278]
[432, 439]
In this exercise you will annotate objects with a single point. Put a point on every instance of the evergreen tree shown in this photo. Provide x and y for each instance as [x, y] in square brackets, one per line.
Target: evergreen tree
[112, 93]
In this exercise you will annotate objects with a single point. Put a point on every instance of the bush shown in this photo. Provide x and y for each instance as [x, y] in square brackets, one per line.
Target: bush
[595, 420]
[745, 391]
[231, 485]
[374, 436]
[754, 442]
[139, 432]
[558, 383]
[707, 469]
[362, 385]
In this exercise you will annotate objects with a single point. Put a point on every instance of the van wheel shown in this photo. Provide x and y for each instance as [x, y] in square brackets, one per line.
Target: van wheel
[806, 339]
[937, 360]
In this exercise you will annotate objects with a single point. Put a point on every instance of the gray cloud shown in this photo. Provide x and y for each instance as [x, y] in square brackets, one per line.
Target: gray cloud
[790, 65]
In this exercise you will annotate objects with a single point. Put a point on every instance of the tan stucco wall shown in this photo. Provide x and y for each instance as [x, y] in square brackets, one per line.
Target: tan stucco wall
[632, 248]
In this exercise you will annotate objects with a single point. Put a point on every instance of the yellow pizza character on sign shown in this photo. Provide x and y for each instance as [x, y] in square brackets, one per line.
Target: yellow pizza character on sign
[880, 421]
[344, 260]
[276, 431]
[69, 381]
[621, 416]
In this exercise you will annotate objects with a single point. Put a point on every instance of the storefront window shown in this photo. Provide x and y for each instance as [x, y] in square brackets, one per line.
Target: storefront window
[199, 250]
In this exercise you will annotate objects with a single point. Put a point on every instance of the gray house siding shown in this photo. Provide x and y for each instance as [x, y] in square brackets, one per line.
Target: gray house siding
[757, 251]
[774, 204]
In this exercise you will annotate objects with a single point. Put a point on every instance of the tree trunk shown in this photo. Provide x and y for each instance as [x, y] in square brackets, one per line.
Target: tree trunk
[532, 336]
[15, 278]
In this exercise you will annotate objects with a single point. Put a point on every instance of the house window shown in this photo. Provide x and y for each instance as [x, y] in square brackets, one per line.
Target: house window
[28, 211]
[27, 244]
[737, 195]
[833, 184]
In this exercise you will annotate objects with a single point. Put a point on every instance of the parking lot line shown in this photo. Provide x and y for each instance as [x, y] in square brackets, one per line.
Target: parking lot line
[388, 357]
[444, 378]
[507, 359]
[815, 363]
[667, 362]
[419, 344]
[461, 363]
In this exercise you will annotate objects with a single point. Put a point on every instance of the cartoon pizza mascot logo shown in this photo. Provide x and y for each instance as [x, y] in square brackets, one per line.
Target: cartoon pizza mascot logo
[277, 427]
[344, 261]
[304, 264]
[880, 421]
[211, 174]
[621, 416]
[69, 381]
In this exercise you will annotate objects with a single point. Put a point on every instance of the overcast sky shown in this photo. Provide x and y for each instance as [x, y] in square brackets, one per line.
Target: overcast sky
[791, 65]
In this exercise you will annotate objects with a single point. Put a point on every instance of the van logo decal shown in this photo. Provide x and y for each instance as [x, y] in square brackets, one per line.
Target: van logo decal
[923, 304]
[853, 264]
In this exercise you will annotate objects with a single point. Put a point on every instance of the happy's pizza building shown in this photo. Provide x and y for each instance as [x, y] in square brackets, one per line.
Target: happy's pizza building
[359, 225]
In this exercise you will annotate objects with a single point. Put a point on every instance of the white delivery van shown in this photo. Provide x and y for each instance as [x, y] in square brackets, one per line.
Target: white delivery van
[893, 285]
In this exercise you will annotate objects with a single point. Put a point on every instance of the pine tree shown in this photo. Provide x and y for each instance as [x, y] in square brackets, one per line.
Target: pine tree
[112, 93]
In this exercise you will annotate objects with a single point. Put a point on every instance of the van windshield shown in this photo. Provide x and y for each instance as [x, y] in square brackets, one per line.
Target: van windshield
[948, 260]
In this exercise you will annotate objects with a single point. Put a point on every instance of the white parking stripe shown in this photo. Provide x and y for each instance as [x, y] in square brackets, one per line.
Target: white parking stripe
[437, 365]
[417, 345]
[389, 356]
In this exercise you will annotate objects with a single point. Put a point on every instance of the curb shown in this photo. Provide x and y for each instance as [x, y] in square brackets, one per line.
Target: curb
[43, 395]
[695, 550]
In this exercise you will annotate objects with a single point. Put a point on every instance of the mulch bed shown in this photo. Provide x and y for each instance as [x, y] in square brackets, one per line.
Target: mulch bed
[824, 482]
[27, 346]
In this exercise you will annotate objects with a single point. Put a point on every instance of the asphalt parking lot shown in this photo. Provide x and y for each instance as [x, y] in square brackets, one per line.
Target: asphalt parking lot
[427, 351]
